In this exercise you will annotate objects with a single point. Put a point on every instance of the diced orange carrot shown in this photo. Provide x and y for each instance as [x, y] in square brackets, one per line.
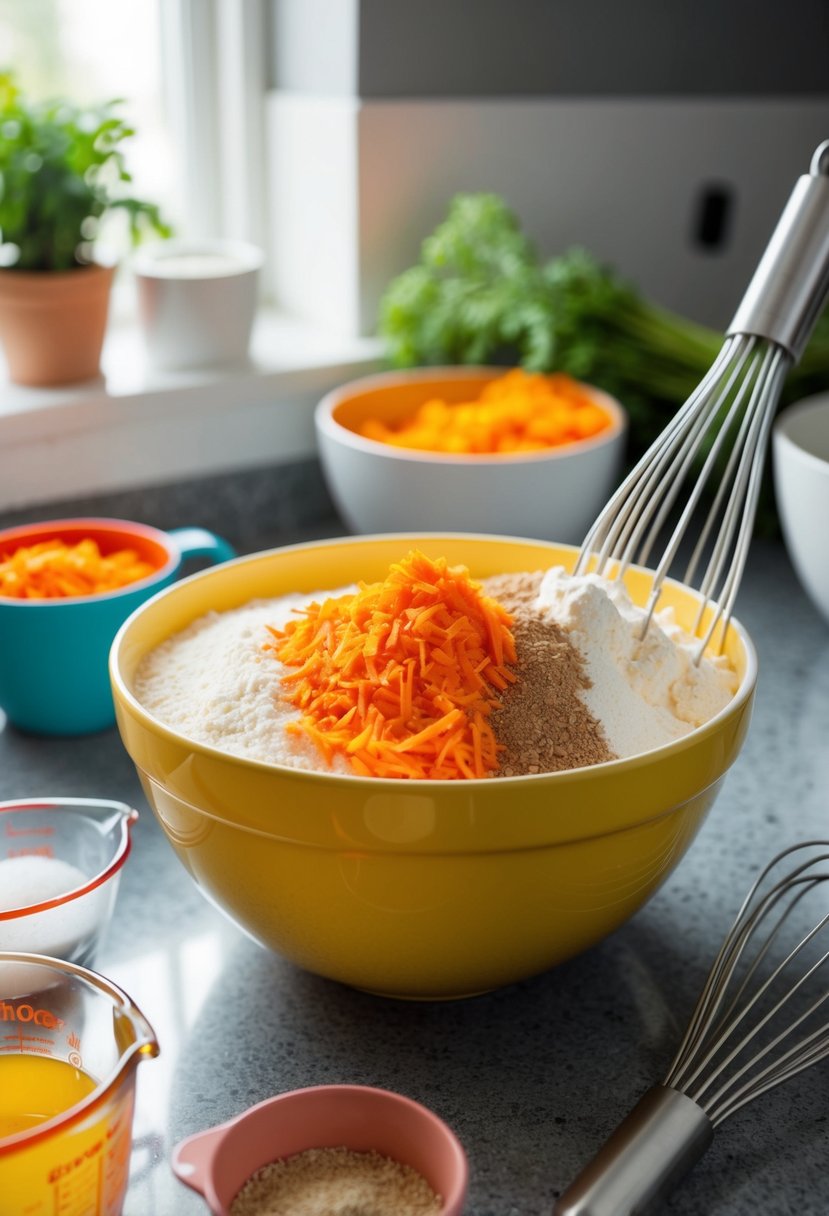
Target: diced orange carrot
[516, 412]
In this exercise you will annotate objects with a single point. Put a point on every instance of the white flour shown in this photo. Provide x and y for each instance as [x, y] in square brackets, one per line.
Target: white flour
[26, 881]
[645, 693]
[216, 684]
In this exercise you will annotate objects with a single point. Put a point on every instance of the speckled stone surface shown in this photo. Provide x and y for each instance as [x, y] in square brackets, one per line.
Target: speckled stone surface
[254, 509]
[533, 1077]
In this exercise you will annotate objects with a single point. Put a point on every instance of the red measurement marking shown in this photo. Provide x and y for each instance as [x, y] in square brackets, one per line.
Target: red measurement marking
[11, 830]
[66, 1167]
[44, 850]
[28, 1013]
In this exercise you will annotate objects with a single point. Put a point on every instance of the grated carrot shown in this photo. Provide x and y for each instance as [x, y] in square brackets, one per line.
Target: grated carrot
[516, 412]
[52, 569]
[401, 676]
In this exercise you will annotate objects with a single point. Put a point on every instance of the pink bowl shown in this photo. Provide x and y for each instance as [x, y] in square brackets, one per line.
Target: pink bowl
[218, 1162]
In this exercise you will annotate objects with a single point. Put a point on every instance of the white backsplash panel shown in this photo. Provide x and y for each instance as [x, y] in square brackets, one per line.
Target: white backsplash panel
[680, 194]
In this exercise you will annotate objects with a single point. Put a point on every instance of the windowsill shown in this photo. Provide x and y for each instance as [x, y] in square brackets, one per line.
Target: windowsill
[133, 427]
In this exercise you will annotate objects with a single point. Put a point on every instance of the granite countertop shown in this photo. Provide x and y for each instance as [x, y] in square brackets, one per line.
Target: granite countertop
[533, 1077]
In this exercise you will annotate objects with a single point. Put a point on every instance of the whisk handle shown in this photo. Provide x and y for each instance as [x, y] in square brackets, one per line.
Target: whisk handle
[791, 283]
[660, 1140]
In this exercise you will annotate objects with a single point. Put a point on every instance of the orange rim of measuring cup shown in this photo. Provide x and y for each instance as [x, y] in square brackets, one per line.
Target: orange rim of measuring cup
[155, 546]
[148, 1045]
[121, 853]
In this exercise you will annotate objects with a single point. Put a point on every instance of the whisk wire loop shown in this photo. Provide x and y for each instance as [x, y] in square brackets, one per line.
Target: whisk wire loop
[765, 948]
[612, 535]
[725, 571]
[724, 1033]
[734, 404]
[741, 1004]
[701, 428]
[712, 997]
[724, 424]
[809, 1050]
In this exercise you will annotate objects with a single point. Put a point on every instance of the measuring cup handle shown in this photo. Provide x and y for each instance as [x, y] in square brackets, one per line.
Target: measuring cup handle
[191, 1158]
[198, 542]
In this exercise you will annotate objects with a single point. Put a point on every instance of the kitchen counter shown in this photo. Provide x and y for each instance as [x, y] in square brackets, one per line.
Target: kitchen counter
[532, 1077]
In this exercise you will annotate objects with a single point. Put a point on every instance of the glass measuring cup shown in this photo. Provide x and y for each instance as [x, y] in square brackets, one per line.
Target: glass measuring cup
[70, 1042]
[66, 854]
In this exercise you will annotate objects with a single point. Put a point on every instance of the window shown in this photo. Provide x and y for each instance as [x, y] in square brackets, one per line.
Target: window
[191, 74]
[93, 50]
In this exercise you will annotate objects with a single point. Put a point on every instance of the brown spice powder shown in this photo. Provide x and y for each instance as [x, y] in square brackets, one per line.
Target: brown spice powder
[542, 720]
[336, 1182]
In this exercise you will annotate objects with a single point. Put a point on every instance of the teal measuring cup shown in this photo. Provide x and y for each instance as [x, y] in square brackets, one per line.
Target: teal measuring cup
[54, 652]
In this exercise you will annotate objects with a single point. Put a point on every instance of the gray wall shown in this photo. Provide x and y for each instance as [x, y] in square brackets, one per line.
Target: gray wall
[486, 48]
[613, 124]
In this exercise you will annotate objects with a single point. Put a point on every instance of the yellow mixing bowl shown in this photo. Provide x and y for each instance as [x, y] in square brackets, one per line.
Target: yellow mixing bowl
[426, 889]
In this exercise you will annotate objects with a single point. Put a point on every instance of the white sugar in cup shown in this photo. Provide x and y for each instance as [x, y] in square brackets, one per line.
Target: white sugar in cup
[60, 932]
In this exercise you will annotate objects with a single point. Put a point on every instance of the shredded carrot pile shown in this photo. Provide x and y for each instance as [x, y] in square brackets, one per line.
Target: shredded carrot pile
[53, 569]
[402, 675]
[517, 412]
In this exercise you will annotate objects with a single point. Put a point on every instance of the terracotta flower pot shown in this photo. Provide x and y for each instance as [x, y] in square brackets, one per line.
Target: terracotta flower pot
[52, 323]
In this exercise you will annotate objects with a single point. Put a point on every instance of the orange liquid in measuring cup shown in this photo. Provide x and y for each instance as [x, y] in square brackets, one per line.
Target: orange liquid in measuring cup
[36, 1088]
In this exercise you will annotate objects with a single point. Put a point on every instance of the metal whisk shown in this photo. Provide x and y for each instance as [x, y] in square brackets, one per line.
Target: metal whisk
[756, 1024]
[727, 418]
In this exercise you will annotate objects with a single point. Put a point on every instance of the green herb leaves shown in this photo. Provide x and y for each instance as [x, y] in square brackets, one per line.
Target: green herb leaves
[478, 294]
[61, 170]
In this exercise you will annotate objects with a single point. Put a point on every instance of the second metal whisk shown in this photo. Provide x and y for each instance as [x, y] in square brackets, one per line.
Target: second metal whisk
[722, 429]
[760, 1020]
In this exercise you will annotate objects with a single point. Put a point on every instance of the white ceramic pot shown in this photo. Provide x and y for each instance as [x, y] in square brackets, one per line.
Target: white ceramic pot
[197, 301]
[800, 452]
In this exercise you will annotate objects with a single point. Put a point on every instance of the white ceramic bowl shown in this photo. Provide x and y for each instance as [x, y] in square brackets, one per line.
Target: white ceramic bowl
[550, 495]
[800, 451]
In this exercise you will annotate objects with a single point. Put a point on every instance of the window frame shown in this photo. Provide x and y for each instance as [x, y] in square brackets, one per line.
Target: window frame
[214, 72]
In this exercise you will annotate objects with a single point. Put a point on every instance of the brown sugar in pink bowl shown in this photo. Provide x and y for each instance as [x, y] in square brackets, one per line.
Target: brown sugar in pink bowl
[218, 1162]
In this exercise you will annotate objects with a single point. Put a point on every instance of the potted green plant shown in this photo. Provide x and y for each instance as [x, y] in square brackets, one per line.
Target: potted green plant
[62, 171]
